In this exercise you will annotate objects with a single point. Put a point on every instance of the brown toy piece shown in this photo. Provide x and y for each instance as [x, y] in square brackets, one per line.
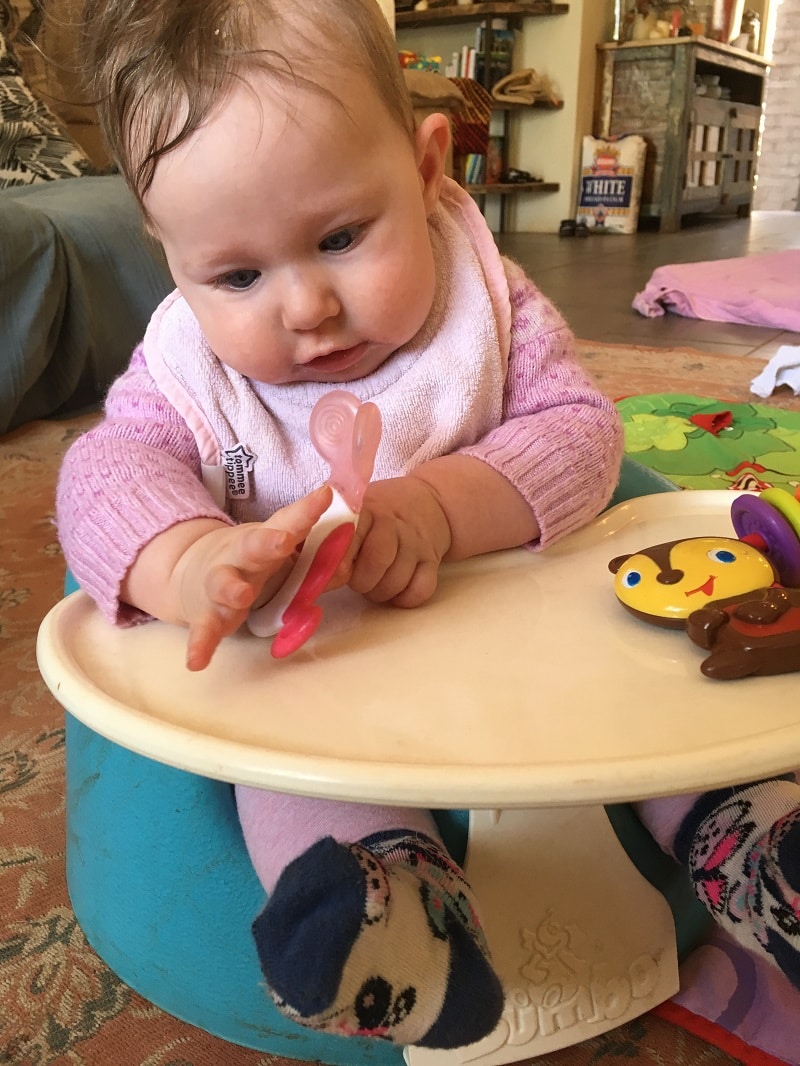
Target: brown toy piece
[757, 633]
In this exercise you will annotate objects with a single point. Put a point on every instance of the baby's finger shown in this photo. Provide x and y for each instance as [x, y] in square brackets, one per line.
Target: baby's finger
[204, 637]
[344, 570]
[262, 550]
[298, 518]
[420, 588]
[228, 589]
[275, 540]
[379, 555]
[393, 582]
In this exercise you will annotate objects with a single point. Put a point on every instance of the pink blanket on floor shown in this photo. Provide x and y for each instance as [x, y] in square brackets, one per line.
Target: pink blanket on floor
[740, 994]
[757, 290]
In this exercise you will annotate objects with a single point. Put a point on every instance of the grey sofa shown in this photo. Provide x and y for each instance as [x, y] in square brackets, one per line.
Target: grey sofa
[78, 282]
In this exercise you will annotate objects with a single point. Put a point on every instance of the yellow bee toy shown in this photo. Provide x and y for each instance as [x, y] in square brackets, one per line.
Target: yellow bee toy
[737, 598]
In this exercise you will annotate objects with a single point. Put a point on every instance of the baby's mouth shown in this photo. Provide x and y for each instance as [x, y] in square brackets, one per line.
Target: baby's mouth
[336, 361]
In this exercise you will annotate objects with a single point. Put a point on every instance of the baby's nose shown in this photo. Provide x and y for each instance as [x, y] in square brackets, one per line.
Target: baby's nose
[307, 300]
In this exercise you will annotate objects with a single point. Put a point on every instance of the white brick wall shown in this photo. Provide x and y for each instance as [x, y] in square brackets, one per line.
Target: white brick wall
[779, 168]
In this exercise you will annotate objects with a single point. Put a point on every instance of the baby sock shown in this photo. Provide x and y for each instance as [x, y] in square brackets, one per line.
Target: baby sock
[379, 938]
[742, 848]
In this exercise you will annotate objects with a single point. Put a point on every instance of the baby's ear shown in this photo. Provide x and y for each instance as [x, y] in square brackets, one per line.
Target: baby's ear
[432, 140]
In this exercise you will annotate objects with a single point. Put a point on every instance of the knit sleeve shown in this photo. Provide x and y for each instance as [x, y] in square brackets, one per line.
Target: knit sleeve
[560, 443]
[134, 475]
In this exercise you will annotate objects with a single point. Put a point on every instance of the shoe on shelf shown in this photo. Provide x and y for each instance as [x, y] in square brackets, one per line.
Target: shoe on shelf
[567, 228]
[515, 176]
[581, 229]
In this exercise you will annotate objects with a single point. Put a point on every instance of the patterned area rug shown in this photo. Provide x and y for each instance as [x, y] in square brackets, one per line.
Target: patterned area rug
[59, 1004]
[633, 370]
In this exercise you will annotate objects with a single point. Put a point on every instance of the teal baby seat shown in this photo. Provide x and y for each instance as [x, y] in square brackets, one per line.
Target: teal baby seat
[161, 883]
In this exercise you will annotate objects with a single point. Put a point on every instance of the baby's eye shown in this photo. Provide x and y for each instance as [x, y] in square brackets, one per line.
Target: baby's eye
[239, 280]
[721, 555]
[341, 240]
[631, 578]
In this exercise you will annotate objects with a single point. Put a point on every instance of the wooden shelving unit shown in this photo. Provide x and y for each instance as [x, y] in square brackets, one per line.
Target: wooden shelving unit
[702, 150]
[513, 11]
[483, 13]
[502, 188]
[540, 105]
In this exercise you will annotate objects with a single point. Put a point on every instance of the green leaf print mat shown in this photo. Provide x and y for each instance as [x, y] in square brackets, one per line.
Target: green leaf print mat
[713, 444]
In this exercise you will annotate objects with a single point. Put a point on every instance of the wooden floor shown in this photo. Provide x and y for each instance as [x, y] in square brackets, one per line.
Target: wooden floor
[593, 279]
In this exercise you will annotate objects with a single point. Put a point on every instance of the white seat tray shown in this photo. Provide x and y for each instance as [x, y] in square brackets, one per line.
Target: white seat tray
[522, 683]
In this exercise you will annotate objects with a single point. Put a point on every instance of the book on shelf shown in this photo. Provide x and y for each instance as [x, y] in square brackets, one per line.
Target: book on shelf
[494, 161]
[463, 64]
[501, 59]
[474, 168]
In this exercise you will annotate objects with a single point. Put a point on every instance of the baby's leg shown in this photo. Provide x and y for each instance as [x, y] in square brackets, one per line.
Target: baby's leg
[370, 927]
[742, 848]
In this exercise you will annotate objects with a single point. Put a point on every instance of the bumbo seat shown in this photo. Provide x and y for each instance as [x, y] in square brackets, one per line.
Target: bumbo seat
[157, 869]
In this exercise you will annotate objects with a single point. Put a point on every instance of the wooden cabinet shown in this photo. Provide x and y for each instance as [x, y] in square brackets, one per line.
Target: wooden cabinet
[698, 105]
[514, 11]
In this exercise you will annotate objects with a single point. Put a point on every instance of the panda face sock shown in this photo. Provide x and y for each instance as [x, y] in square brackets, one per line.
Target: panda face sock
[379, 938]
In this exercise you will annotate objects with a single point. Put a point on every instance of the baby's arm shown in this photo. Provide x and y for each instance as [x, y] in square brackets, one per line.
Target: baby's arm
[549, 468]
[143, 537]
[134, 475]
[449, 508]
[560, 443]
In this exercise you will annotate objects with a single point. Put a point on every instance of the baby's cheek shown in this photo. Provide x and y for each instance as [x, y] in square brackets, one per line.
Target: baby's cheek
[408, 289]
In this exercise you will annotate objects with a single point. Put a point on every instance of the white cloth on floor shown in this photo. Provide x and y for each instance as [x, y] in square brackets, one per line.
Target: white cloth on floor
[782, 369]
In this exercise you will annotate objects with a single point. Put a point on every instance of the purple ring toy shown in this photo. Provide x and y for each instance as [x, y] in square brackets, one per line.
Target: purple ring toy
[751, 514]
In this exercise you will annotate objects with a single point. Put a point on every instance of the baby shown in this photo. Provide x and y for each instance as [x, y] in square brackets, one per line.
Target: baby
[315, 243]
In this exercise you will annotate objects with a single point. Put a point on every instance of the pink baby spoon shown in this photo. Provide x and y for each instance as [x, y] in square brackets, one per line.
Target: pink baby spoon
[346, 433]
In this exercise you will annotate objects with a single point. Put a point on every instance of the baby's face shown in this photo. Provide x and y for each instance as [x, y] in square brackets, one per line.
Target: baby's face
[297, 231]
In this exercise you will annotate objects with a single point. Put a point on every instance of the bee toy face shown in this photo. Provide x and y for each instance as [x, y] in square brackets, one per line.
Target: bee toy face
[663, 584]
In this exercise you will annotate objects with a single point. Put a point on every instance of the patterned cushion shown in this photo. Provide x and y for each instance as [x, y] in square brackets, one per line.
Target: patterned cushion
[34, 145]
[45, 36]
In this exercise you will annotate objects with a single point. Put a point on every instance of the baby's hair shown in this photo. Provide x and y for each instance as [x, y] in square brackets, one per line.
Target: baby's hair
[157, 68]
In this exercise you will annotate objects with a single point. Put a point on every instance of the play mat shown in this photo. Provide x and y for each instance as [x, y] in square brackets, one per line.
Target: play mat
[701, 443]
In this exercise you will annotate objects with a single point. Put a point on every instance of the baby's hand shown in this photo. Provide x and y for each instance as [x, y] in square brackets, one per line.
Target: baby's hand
[401, 538]
[220, 575]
